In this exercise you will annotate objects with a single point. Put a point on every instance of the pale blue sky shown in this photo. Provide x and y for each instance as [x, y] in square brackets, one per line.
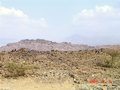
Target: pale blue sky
[61, 20]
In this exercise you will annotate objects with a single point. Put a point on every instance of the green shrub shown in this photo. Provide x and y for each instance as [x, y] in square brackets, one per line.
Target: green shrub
[115, 57]
[116, 63]
[104, 61]
[112, 52]
[14, 69]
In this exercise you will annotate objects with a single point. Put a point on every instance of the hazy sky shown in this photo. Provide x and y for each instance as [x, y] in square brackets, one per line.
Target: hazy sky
[92, 22]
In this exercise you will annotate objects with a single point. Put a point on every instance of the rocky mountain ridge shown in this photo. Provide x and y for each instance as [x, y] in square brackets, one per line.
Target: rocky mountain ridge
[44, 45]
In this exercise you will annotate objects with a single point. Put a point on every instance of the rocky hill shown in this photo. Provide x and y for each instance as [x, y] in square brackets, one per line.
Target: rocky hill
[44, 45]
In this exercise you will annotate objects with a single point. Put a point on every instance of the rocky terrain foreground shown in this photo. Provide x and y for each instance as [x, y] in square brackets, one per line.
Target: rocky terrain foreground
[46, 65]
[25, 69]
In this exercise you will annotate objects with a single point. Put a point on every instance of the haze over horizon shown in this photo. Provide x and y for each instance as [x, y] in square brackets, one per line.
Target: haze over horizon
[92, 22]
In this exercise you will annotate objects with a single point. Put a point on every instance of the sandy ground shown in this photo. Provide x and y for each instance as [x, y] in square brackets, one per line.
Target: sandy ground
[35, 84]
[32, 84]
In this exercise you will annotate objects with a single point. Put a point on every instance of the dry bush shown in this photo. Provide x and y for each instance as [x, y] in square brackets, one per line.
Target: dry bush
[116, 63]
[104, 60]
[115, 57]
[110, 59]
[14, 69]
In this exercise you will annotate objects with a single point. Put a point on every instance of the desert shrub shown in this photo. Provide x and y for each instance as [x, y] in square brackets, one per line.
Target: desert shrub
[115, 57]
[116, 63]
[111, 60]
[104, 60]
[14, 69]
[113, 53]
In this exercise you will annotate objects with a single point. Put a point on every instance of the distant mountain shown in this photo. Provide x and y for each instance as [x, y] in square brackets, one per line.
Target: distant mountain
[44, 45]
[116, 47]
